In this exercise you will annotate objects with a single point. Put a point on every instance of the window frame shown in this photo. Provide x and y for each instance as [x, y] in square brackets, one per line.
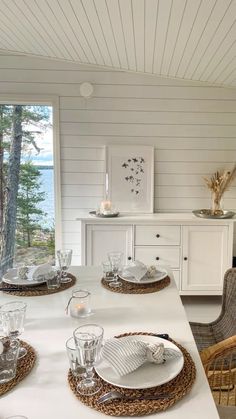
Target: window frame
[53, 101]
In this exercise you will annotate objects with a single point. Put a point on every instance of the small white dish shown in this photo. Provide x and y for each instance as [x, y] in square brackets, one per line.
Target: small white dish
[149, 374]
[11, 278]
[160, 274]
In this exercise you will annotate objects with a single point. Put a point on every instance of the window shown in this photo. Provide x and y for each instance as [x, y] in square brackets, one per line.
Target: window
[27, 179]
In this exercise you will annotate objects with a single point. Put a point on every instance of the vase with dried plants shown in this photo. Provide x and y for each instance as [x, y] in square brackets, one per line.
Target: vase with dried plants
[218, 183]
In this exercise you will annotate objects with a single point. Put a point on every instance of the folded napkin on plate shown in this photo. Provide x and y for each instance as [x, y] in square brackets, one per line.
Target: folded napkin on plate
[34, 273]
[138, 270]
[127, 354]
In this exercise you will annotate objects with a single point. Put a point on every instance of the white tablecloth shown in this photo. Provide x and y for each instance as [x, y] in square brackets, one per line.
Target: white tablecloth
[45, 394]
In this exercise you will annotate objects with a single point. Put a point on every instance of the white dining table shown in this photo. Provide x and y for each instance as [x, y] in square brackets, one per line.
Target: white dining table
[45, 393]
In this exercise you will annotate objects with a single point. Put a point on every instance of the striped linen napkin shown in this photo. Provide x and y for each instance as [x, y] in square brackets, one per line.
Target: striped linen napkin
[136, 269]
[127, 354]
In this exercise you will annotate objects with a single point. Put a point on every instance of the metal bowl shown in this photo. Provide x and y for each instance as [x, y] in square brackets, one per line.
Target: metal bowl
[206, 213]
[100, 215]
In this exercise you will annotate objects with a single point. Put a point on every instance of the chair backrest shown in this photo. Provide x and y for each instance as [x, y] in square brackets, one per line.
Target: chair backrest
[219, 365]
[225, 325]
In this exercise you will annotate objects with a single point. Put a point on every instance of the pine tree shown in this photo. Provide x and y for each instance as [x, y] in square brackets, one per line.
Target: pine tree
[28, 213]
[5, 131]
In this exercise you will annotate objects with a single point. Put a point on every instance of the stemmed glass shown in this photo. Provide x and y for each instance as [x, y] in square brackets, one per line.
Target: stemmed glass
[12, 317]
[64, 259]
[115, 259]
[88, 340]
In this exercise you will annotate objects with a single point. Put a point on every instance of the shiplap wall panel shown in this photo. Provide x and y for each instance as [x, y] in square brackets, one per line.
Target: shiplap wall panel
[85, 166]
[73, 153]
[145, 117]
[149, 104]
[82, 190]
[164, 143]
[188, 192]
[191, 126]
[79, 178]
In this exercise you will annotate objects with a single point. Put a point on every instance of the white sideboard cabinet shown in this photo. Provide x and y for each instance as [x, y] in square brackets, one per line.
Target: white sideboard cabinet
[198, 251]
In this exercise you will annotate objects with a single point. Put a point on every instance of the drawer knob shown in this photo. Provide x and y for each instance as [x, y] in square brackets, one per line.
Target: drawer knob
[157, 258]
[129, 258]
[157, 235]
[185, 258]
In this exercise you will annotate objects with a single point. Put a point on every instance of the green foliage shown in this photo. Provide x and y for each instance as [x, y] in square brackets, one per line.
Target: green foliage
[29, 196]
[51, 242]
[35, 117]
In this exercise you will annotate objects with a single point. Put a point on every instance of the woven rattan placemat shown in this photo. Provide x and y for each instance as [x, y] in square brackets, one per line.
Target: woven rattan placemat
[178, 387]
[131, 288]
[24, 366]
[38, 289]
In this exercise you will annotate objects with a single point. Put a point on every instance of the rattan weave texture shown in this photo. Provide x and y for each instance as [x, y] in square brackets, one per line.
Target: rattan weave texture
[176, 388]
[24, 366]
[208, 334]
[136, 288]
[39, 289]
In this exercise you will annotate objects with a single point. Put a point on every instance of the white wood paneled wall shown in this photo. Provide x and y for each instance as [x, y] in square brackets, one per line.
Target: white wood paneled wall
[191, 125]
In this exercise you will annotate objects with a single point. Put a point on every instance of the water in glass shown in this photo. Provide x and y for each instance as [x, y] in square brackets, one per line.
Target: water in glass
[12, 318]
[88, 340]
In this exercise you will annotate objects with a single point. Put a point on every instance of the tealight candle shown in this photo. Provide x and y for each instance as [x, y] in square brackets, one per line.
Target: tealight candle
[78, 310]
[105, 207]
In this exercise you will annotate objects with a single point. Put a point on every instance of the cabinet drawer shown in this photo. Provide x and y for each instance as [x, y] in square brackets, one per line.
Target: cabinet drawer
[158, 255]
[155, 235]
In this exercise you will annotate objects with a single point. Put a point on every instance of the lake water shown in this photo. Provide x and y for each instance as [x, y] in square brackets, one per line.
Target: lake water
[47, 185]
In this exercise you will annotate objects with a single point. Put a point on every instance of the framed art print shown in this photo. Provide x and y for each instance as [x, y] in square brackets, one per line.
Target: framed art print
[130, 171]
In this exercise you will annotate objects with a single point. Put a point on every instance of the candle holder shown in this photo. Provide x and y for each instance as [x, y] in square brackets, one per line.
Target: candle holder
[106, 207]
[79, 304]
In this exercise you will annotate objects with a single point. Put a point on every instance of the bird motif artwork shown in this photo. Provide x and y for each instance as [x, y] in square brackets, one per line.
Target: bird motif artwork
[134, 167]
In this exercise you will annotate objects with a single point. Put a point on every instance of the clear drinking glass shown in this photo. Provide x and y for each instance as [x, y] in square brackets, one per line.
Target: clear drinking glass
[64, 259]
[12, 318]
[77, 370]
[107, 271]
[8, 362]
[53, 279]
[115, 259]
[88, 340]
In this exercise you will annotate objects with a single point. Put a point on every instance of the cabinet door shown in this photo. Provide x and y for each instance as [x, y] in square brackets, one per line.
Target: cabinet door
[101, 239]
[204, 257]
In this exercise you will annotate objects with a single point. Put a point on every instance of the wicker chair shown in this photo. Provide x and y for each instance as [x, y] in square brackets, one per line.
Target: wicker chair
[218, 362]
[208, 334]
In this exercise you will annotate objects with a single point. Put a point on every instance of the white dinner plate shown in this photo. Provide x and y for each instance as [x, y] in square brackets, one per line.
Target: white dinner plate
[160, 274]
[149, 374]
[12, 278]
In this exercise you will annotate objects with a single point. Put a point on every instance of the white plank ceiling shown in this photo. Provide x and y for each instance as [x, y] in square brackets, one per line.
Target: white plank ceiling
[187, 39]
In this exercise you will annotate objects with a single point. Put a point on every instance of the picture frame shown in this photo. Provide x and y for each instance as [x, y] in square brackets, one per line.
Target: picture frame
[130, 177]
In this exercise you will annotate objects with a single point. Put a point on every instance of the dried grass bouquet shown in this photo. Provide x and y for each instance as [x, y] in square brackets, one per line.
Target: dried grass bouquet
[218, 183]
